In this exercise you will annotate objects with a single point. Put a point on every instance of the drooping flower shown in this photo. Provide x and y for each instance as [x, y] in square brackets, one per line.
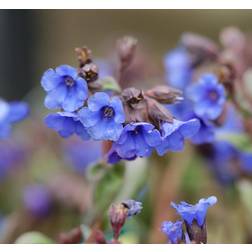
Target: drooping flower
[80, 154]
[205, 134]
[196, 212]
[134, 207]
[66, 124]
[65, 88]
[174, 134]
[136, 140]
[178, 68]
[104, 117]
[173, 230]
[208, 97]
[10, 113]
[37, 200]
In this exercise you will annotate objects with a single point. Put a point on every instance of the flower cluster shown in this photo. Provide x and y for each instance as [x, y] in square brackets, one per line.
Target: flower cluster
[11, 113]
[194, 218]
[135, 121]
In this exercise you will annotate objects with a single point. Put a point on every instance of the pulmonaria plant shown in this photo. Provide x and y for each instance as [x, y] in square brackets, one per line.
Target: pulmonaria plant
[194, 218]
[135, 121]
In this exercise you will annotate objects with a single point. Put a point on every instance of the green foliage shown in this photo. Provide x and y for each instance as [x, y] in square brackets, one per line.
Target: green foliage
[34, 238]
[109, 185]
[109, 83]
[241, 141]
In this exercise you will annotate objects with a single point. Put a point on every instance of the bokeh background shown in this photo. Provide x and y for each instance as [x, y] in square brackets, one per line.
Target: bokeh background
[32, 41]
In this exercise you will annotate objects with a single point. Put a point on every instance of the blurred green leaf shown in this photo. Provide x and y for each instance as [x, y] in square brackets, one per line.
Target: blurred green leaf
[95, 171]
[245, 189]
[240, 141]
[109, 83]
[109, 186]
[34, 238]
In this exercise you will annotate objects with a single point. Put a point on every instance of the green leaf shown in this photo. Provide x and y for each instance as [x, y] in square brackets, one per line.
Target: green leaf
[109, 83]
[33, 238]
[240, 141]
[96, 171]
[109, 186]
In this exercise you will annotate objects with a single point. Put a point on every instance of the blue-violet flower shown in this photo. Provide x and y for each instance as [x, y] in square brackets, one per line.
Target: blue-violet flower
[174, 134]
[65, 88]
[66, 124]
[196, 212]
[10, 113]
[173, 230]
[104, 117]
[208, 96]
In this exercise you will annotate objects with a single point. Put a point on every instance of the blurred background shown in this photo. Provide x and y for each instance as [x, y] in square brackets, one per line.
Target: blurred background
[32, 41]
[47, 169]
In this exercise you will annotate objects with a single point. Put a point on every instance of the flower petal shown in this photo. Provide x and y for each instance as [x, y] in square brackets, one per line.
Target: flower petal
[50, 80]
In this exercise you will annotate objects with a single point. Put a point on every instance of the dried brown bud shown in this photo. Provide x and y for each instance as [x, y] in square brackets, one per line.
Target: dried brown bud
[132, 96]
[72, 237]
[117, 215]
[196, 233]
[135, 106]
[232, 38]
[84, 55]
[165, 94]
[158, 113]
[126, 47]
[89, 72]
[201, 48]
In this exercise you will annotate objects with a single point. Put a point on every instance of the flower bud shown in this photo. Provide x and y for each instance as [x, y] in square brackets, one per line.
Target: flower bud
[89, 72]
[196, 233]
[117, 215]
[134, 207]
[126, 47]
[165, 94]
[158, 113]
[84, 55]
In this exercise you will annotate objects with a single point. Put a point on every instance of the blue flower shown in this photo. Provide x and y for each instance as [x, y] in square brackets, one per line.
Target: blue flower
[173, 230]
[66, 124]
[65, 88]
[134, 207]
[10, 113]
[104, 117]
[174, 134]
[196, 212]
[136, 140]
[208, 96]
[37, 200]
[79, 159]
[205, 134]
[178, 68]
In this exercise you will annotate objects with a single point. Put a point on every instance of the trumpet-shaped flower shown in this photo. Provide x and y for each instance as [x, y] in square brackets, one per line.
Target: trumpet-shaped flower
[65, 88]
[66, 124]
[104, 117]
[174, 134]
[196, 212]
